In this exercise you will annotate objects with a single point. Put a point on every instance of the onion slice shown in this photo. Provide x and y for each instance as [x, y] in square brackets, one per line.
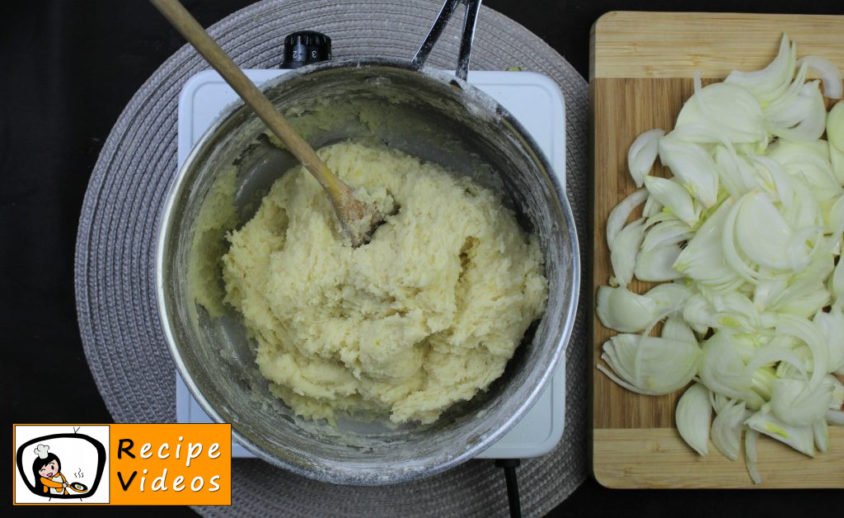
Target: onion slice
[746, 233]
[693, 416]
[642, 155]
[829, 74]
[621, 212]
[727, 428]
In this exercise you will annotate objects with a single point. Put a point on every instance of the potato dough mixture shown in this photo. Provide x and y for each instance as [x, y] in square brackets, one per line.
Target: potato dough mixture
[425, 315]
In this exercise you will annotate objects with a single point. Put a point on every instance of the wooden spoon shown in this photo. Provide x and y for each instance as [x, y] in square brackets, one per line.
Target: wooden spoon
[357, 218]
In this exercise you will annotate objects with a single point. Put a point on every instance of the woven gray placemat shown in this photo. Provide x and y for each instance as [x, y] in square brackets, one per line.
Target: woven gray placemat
[115, 290]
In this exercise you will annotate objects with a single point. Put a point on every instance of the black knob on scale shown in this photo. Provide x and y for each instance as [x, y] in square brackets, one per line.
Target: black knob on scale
[305, 47]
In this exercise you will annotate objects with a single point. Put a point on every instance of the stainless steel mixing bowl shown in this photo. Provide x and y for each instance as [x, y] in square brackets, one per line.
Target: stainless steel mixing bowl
[434, 116]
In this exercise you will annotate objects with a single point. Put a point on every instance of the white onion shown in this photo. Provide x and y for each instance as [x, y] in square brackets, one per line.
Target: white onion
[828, 73]
[770, 82]
[835, 417]
[801, 438]
[750, 456]
[693, 166]
[618, 216]
[625, 311]
[624, 250]
[693, 416]
[727, 428]
[674, 197]
[835, 126]
[749, 229]
[642, 155]
[821, 432]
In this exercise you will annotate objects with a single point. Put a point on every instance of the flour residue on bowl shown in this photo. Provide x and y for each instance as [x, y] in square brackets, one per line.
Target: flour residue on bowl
[216, 216]
[425, 315]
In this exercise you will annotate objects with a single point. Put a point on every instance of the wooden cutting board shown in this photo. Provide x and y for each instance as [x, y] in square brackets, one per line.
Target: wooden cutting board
[640, 74]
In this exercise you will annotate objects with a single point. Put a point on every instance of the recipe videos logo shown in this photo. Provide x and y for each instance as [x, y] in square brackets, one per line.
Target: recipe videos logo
[122, 464]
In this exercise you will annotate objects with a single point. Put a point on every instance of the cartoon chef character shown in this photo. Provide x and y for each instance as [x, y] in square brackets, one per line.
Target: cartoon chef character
[47, 470]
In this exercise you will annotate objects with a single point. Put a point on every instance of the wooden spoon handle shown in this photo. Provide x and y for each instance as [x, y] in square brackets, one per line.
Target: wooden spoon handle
[187, 25]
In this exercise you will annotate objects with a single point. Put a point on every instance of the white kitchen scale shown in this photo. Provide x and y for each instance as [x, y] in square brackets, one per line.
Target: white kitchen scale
[537, 102]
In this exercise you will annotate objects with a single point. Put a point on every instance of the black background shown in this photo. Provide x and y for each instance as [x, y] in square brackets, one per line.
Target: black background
[67, 69]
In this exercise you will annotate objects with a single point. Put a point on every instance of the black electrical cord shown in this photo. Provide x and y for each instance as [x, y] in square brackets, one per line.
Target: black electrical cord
[509, 466]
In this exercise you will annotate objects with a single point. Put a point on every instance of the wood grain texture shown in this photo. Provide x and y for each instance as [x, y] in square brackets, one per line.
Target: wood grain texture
[623, 109]
[658, 458]
[647, 44]
[642, 69]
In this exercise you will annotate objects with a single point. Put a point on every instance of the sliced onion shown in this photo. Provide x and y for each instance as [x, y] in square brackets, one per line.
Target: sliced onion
[774, 353]
[801, 118]
[735, 174]
[699, 314]
[767, 291]
[702, 260]
[801, 438]
[748, 226]
[803, 330]
[729, 110]
[835, 417]
[625, 311]
[821, 433]
[693, 166]
[657, 264]
[831, 326]
[673, 197]
[624, 250]
[728, 244]
[772, 81]
[750, 456]
[675, 328]
[796, 403]
[801, 301]
[810, 162]
[835, 126]
[828, 72]
[837, 400]
[834, 219]
[621, 212]
[669, 298]
[650, 365]
[693, 416]
[642, 155]
[651, 209]
[672, 232]
[736, 311]
[836, 158]
[723, 371]
[727, 427]
[838, 283]
[762, 233]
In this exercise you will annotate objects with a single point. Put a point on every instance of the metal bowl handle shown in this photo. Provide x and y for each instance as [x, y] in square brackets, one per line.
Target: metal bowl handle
[470, 19]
